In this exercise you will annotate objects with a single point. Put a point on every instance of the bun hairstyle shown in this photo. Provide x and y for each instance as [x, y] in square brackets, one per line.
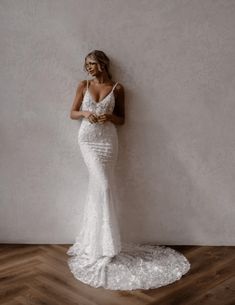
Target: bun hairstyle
[102, 60]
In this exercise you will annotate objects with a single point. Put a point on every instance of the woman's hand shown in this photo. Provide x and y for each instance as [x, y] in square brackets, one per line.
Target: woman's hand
[92, 118]
[104, 118]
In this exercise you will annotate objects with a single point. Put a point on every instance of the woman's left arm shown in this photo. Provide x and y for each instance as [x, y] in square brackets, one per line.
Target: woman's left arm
[118, 116]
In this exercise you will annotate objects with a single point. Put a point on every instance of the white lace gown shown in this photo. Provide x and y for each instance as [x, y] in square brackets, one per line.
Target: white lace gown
[98, 256]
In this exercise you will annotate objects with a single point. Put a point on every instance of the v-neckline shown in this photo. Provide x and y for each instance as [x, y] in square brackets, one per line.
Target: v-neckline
[102, 98]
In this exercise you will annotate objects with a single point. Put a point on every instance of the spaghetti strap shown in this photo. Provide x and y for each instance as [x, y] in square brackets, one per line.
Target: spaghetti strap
[114, 86]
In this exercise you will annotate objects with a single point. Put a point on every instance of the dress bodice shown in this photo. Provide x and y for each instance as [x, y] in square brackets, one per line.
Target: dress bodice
[97, 131]
[106, 105]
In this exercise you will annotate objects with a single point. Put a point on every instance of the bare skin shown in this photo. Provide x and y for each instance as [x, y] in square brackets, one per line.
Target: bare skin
[99, 87]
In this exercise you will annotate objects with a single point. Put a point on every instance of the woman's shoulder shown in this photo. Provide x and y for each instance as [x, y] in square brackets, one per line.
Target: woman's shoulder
[82, 83]
[81, 86]
[119, 91]
[119, 86]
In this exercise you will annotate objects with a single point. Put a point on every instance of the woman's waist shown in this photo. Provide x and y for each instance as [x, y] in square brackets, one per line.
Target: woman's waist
[108, 125]
[98, 129]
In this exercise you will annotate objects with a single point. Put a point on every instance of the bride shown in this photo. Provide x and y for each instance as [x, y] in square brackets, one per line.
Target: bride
[99, 257]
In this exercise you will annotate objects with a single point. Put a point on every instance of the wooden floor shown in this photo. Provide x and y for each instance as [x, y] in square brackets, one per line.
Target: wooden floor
[39, 275]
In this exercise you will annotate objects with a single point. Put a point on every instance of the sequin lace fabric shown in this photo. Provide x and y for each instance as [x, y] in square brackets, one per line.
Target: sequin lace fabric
[98, 256]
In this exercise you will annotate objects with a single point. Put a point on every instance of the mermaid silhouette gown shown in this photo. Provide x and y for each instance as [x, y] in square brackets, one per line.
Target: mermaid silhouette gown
[98, 256]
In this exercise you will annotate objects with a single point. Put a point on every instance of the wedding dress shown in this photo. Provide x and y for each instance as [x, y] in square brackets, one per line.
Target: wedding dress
[99, 257]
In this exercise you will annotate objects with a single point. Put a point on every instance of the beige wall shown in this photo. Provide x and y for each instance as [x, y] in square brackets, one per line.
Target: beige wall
[176, 167]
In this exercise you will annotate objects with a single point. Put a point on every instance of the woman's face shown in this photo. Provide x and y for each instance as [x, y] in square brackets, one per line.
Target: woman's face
[92, 66]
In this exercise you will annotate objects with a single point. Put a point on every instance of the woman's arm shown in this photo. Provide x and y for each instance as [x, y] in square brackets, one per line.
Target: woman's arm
[75, 113]
[116, 119]
[118, 115]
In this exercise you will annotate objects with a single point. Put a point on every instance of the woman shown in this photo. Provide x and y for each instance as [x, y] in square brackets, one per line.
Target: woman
[100, 258]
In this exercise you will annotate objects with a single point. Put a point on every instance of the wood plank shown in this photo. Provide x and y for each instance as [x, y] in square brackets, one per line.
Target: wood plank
[14, 290]
[220, 294]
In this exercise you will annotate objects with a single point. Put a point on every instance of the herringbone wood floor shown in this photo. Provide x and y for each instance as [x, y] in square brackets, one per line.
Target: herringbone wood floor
[39, 275]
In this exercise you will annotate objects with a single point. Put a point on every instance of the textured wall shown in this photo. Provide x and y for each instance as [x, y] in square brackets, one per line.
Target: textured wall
[176, 166]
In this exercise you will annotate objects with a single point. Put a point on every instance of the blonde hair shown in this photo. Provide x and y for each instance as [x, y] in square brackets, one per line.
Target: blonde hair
[102, 60]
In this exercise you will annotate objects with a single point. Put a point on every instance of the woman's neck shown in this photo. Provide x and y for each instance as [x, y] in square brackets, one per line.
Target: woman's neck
[102, 78]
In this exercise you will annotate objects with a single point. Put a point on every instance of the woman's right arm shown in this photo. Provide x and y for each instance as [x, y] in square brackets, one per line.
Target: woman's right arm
[75, 113]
